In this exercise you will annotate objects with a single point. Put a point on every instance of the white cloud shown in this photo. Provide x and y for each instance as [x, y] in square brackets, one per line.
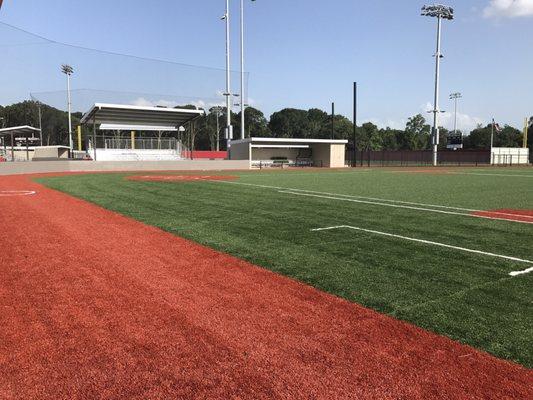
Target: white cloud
[465, 122]
[384, 123]
[508, 8]
[142, 102]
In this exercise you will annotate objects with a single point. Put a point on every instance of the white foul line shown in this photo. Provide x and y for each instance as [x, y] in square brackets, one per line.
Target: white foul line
[11, 193]
[486, 174]
[514, 273]
[337, 196]
[399, 206]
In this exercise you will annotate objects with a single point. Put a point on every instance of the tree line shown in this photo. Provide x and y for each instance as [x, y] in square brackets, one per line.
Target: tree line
[287, 123]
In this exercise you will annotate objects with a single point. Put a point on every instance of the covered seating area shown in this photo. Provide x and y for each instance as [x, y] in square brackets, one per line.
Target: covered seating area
[134, 119]
[18, 143]
[272, 152]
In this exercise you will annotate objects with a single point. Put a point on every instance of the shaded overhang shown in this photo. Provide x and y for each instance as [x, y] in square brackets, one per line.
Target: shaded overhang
[22, 131]
[127, 115]
[144, 128]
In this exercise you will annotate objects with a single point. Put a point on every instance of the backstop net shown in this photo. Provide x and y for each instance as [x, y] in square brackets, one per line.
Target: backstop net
[31, 67]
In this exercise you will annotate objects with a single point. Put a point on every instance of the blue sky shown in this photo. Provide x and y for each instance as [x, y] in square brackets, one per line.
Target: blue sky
[300, 53]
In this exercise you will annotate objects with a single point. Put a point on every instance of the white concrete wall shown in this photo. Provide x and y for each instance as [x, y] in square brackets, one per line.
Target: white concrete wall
[35, 167]
[337, 156]
[510, 155]
[135, 155]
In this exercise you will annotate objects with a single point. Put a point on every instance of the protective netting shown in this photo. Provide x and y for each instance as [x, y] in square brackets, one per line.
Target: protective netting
[31, 65]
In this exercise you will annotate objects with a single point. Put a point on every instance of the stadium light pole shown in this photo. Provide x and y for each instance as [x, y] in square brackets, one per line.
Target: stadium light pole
[229, 128]
[440, 12]
[68, 71]
[242, 70]
[455, 97]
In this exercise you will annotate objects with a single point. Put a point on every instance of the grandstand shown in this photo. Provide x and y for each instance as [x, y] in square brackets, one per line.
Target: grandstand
[153, 121]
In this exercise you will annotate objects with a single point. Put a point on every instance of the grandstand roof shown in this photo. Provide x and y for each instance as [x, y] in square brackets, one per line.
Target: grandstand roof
[121, 114]
[148, 128]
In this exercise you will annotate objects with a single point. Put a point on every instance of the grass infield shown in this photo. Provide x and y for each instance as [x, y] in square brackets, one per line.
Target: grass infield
[268, 218]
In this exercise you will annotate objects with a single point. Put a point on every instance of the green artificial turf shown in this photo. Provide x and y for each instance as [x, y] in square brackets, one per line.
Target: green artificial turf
[467, 297]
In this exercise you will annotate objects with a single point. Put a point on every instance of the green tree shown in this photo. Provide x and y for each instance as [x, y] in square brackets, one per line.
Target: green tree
[289, 123]
[319, 123]
[389, 138]
[255, 123]
[369, 137]
[416, 135]
[54, 121]
[479, 138]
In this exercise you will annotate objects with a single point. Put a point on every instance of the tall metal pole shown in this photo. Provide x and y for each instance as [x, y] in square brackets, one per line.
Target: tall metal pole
[436, 109]
[70, 143]
[242, 70]
[229, 128]
[440, 12]
[492, 136]
[455, 118]
[218, 129]
[333, 120]
[354, 122]
[40, 123]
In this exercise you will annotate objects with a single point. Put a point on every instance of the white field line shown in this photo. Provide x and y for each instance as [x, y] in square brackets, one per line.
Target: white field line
[400, 206]
[259, 174]
[469, 210]
[514, 273]
[465, 173]
[12, 193]
[526, 271]
[486, 174]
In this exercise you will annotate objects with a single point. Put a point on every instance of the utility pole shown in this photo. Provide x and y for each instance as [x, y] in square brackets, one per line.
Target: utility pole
[455, 97]
[354, 123]
[229, 128]
[68, 71]
[218, 128]
[440, 12]
[333, 120]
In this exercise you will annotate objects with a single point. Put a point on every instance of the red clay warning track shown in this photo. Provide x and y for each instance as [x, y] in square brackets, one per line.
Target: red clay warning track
[96, 305]
[505, 213]
[180, 178]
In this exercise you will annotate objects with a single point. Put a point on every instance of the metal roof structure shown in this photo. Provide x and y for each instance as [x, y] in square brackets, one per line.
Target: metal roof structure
[146, 128]
[288, 141]
[120, 114]
[22, 131]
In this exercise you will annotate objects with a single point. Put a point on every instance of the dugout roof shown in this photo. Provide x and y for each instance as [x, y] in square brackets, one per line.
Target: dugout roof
[120, 114]
[262, 142]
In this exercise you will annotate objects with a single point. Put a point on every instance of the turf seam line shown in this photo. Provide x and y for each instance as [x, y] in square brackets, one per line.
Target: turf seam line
[451, 295]
[485, 253]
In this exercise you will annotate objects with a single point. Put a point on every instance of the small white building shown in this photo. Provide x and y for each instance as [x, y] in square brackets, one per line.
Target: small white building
[265, 152]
